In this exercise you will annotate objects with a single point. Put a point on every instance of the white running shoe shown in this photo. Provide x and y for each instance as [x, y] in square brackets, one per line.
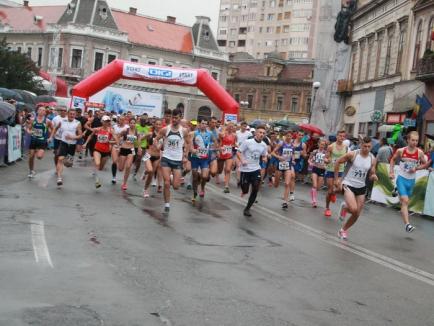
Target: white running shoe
[31, 174]
[291, 197]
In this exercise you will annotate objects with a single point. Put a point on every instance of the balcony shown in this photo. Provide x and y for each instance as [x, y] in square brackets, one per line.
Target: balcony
[425, 68]
[345, 87]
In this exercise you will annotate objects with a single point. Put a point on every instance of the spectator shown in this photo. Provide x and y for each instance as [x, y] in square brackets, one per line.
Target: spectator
[384, 152]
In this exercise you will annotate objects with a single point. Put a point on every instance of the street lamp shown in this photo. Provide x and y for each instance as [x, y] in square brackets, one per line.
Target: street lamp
[316, 85]
[243, 105]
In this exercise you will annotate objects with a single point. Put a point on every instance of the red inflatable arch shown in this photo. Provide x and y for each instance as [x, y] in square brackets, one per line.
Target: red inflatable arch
[119, 69]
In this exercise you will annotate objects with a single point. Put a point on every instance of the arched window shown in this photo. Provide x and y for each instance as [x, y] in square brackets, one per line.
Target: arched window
[417, 45]
[204, 113]
[429, 41]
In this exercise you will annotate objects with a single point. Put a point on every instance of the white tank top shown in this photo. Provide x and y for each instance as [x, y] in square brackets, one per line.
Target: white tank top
[69, 128]
[359, 169]
[118, 129]
[174, 144]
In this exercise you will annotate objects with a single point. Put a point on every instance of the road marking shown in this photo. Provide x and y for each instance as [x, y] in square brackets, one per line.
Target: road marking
[40, 248]
[373, 256]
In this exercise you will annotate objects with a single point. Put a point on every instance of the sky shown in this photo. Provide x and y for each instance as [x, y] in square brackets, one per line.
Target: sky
[184, 10]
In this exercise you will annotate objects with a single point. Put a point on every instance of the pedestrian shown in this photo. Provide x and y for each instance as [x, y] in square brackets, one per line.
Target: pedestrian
[361, 165]
[385, 152]
[412, 159]
[249, 155]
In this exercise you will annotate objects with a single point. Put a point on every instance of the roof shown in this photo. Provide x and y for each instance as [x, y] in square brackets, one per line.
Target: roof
[21, 18]
[291, 71]
[153, 32]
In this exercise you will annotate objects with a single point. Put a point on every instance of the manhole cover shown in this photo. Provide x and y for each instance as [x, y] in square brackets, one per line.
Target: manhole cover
[62, 315]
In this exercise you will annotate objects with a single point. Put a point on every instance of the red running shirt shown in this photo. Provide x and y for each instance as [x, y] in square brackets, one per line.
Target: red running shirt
[228, 143]
[103, 138]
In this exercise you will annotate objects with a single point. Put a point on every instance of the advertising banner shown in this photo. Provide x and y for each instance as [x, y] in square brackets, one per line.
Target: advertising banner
[231, 118]
[78, 102]
[14, 143]
[121, 100]
[173, 75]
[429, 203]
[384, 190]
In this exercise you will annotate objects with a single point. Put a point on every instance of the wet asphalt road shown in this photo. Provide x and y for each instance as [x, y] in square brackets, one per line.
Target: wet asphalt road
[81, 256]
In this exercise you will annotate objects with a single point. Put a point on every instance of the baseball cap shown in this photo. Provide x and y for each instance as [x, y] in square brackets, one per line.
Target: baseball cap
[193, 122]
[105, 118]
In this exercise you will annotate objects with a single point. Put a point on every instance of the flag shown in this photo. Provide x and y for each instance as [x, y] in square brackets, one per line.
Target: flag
[425, 105]
[416, 108]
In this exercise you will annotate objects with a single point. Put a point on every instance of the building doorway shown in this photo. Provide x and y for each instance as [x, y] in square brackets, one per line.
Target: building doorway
[203, 113]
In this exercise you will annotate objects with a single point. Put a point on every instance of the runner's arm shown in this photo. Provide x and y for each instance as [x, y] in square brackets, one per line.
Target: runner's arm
[187, 145]
[240, 155]
[328, 154]
[347, 157]
[275, 151]
[422, 158]
[392, 163]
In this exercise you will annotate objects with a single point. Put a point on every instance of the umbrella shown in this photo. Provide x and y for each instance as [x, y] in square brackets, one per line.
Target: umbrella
[286, 124]
[311, 128]
[257, 122]
[7, 112]
[29, 100]
[46, 99]
[10, 94]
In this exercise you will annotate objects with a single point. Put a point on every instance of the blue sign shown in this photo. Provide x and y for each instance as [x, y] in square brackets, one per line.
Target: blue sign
[160, 73]
[409, 123]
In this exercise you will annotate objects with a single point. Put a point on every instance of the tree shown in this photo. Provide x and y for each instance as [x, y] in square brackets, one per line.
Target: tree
[17, 70]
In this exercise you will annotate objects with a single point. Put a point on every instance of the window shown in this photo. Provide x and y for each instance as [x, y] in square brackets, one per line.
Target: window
[56, 57]
[250, 101]
[76, 58]
[98, 62]
[40, 52]
[268, 71]
[233, 31]
[152, 62]
[168, 64]
[278, 29]
[29, 52]
[349, 129]
[232, 44]
[380, 37]
[133, 59]
[272, 3]
[19, 49]
[279, 105]
[243, 30]
[429, 41]
[362, 49]
[241, 43]
[353, 66]
[401, 46]
[294, 104]
[286, 29]
[264, 102]
[388, 52]
[270, 17]
[215, 75]
[279, 16]
[269, 29]
[221, 42]
[237, 98]
[363, 128]
[417, 45]
[287, 14]
[223, 19]
[223, 32]
[234, 19]
[281, 3]
[111, 57]
[369, 55]
[308, 104]
[60, 58]
[262, 17]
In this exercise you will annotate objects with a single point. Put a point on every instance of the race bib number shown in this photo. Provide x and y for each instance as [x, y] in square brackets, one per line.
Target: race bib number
[407, 166]
[131, 139]
[227, 150]
[283, 166]
[202, 153]
[359, 174]
[39, 133]
[255, 157]
[146, 157]
[103, 139]
[287, 152]
[297, 155]
[319, 158]
[173, 143]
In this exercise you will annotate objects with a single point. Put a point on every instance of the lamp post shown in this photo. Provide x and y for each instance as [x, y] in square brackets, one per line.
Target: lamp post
[316, 85]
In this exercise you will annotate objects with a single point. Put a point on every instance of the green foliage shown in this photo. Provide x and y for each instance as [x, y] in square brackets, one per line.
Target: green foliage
[384, 182]
[17, 70]
[417, 199]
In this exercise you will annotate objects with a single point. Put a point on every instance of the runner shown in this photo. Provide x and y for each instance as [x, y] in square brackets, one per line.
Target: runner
[228, 139]
[411, 160]
[38, 128]
[284, 152]
[70, 129]
[143, 131]
[299, 157]
[91, 124]
[81, 141]
[118, 129]
[101, 152]
[316, 160]
[249, 154]
[360, 166]
[154, 150]
[174, 154]
[127, 140]
[214, 148]
[242, 135]
[273, 164]
[61, 116]
[334, 152]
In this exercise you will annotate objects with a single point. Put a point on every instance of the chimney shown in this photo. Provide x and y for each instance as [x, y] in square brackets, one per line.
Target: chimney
[171, 19]
[25, 3]
[133, 11]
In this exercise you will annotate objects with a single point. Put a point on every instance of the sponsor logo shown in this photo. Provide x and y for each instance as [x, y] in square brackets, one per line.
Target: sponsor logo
[154, 72]
[132, 69]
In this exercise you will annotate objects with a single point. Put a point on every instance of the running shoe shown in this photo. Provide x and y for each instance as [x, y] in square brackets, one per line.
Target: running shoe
[285, 205]
[113, 180]
[343, 235]
[97, 184]
[193, 199]
[291, 197]
[328, 212]
[409, 228]
[342, 212]
[166, 209]
[59, 181]
[189, 187]
[124, 186]
[226, 190]
[154, 182]
[202, 194]
[247, 213]
[31, 174]
[160, 189]
[333, 198]
[145, 194]
[314, 204]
